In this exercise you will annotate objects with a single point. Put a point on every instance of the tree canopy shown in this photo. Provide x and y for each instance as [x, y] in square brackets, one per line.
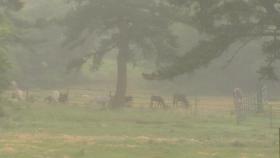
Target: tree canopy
[227, 22]
[128, 27]
[6, 31]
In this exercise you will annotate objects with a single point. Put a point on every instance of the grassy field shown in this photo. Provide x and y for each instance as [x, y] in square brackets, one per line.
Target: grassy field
[69, 131]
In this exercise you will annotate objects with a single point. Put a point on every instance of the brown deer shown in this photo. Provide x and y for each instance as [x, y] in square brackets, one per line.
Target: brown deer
[157, 101]
[177, 98]
[129, 101]
[104, 101]
[151, 76]
[63, 97]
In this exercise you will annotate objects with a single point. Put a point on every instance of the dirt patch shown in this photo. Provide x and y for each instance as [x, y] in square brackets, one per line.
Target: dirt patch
[34, 141]
[207, 154]
[78, 139]
[8, 149]
[121, 146]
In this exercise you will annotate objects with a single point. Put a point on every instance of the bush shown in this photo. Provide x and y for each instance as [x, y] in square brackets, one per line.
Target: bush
[3, 71]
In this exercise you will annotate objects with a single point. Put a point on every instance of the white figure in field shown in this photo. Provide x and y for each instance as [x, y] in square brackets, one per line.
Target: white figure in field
[104, 101]
[237, 96]
[17, 93]
[237, 100]
[55, 95]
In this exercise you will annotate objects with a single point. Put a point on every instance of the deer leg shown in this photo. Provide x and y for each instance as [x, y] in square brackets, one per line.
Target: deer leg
[152, 104]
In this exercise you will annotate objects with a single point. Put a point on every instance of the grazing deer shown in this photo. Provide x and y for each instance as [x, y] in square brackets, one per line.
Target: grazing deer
[152, 76]
[56, 97]
[177, 98]
[50, 99]
[18, 94]
[104, 101]
[29, 97]
[63, 97]
[128, 100]
[157, 101]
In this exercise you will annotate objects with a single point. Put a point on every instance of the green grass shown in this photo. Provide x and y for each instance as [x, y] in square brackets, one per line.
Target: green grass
[65, 131]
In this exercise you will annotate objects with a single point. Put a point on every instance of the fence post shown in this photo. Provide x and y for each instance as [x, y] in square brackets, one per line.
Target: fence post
[255, 104]
[271, 116]
[195, 105]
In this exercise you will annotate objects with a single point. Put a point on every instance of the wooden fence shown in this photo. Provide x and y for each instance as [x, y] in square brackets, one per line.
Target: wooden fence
[200, 105]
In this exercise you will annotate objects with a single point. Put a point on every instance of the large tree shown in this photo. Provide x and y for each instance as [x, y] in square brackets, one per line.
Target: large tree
[224, 23]
[35, 63]
[6, 32]
[126, 26]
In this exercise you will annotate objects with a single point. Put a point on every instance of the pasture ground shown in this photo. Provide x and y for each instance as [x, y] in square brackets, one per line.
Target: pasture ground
[39, 130]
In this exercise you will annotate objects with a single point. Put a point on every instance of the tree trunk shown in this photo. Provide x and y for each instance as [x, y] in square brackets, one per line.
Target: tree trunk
[121, 85]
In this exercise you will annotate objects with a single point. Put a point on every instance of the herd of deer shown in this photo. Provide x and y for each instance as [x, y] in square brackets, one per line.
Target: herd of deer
[63, 97]
[155, 101]
[158, 101]
[56, 96]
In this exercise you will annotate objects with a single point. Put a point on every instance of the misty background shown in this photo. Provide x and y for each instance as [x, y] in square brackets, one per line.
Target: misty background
[43, 64]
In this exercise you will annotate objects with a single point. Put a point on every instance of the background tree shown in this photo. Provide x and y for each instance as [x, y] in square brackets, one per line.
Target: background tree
[6, 32]
[126, 27]
[37, 57]
[225, 23]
